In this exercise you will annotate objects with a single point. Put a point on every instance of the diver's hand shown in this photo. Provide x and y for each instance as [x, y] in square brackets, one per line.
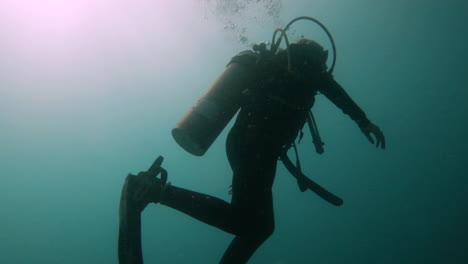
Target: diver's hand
[375, 130]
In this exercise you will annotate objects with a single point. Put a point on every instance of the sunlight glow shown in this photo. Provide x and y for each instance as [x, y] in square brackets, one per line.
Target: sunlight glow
[50, 46]
[44, 18]
[59, 26]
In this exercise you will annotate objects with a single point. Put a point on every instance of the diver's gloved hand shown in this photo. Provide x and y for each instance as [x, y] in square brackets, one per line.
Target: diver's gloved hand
[375, 130]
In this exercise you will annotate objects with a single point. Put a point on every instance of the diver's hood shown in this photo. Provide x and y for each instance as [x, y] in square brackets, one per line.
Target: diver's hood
[308, 53]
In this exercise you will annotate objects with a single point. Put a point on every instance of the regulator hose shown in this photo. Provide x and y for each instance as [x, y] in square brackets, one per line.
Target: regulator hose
[275, 43]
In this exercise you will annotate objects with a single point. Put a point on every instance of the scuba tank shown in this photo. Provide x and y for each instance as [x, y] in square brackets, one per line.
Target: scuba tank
[203, 123]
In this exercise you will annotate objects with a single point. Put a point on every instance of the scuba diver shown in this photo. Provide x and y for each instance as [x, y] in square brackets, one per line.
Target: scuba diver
[274, 90]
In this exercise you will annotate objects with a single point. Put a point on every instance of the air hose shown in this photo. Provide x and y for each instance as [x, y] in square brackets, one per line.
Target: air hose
[275, 43]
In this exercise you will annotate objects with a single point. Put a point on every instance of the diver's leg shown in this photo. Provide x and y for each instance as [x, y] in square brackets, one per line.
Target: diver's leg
[250, 218]
[254, 171]
[257, 227]
[205, 208]
[140, 190]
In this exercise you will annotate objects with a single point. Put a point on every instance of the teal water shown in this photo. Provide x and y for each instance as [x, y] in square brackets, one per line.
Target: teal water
[89, 97]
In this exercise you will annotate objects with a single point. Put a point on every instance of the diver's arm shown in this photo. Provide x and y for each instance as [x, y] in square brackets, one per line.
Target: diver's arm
[335, 93]
[338, 96]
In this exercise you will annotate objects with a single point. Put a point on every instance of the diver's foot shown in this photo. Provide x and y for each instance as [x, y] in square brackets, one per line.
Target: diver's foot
[140, 190]
[157, 190]
[146, 187]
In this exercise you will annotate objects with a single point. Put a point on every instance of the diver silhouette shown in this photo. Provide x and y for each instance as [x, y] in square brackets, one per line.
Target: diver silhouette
[278, 90]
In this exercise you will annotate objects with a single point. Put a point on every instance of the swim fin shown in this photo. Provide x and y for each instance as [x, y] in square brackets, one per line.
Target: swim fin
[133, 201]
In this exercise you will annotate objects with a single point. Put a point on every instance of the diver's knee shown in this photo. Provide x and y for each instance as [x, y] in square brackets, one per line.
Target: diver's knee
[256, 224]
[268, 230]
[260, 235]
[265, 225]
[262, 231]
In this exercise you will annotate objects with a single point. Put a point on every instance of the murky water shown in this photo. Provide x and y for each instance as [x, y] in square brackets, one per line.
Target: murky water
[90, 92]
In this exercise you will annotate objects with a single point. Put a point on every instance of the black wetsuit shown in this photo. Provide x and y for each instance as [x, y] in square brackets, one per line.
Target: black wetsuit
[273, 112]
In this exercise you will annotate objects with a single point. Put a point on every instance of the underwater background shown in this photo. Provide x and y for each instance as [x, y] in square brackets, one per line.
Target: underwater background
[90, 90]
